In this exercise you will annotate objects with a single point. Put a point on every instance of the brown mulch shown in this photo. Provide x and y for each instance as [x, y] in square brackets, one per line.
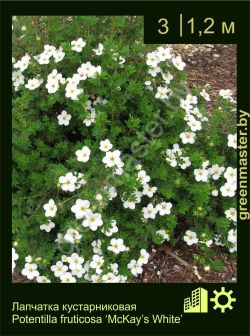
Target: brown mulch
[19, 278]
[215, 65]
[176, 265]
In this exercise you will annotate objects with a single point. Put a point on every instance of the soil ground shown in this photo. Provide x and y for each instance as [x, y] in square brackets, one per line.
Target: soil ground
[215, 65]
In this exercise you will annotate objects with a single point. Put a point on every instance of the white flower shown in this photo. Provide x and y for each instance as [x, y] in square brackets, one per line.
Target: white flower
[64, 118]
[59, 238]
[50, 208]
[99, 197]
[148, 191]
[110, 278]
[121, 60]
[114, 268]
[117, 245]
[93, 220]
[75, 262]
[33, 83]
[23, 63]
[154, 71]
[164, 208]
[88, 70]
[228, 189]
[118, 171]
[167, 77]
[152, 60]
[82, 75]
[195, 111]
[105, 145]
[178, 63]
[185, 162]
[17, 78]
[28, 259]
[52, 86]
[83, 154]
[54, 76]
[186, 105]
[231, 175]
[205, 164]
[194, 124]
[225, 94]
[96, 263]
[215, 192]
[129, 204]
[49, 49]
[162, 92]
[73, 81]
[58, 55]
[143, 177]
[232, 140]
[67, 278]
[100, 100]
[111, 230]
[163, 234]
[15, 256]
[80, 180]
[201, 175]
[72, 235]
[190, 237]
[99, 50]
[68, 182]
[64, 258]
[59, 269]
[163, 53]
[135, 267]
[43, 58]
[112, 158]
[207, 242]
[191, 99]
[78, 45]
[215, 171]
[231, 213]
[47, 226]
[88, 105]
[42, 279]
[78, 272]
[232, 236]
[205, 95]
[96, 244]
[90, 118]
[143, 260]
[72, 91]
[149, 211]
[112, 193]
[80, 208]
[187, 137]
[217, 240]
[30, 271]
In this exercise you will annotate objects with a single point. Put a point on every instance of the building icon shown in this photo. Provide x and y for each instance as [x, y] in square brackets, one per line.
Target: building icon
[198, 303]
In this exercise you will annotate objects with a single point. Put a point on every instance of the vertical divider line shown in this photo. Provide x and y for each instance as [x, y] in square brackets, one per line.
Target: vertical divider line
[181, 23]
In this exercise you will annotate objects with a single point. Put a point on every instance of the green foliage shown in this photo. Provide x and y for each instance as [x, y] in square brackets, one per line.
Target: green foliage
[136, 123]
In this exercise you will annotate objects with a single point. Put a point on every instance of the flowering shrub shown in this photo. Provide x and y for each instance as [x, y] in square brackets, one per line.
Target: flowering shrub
[111, 153]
